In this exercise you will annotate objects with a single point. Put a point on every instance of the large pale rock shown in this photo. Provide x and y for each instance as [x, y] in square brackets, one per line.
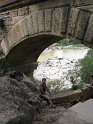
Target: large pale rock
[84, 110]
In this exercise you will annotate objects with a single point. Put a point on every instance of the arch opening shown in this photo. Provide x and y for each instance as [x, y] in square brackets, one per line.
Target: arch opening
[59, 63]
[28, 50]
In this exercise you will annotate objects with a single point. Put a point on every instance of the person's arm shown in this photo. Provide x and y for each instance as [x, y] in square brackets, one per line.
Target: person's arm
[48, 90]
[91, 86]
[41, 89]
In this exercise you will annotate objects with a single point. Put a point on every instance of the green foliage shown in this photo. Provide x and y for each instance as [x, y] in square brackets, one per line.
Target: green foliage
[55, 86]
[74, 76]
[87, 67]
[67, 42]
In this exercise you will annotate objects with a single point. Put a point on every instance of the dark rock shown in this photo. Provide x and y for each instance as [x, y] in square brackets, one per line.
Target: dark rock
[19, 103]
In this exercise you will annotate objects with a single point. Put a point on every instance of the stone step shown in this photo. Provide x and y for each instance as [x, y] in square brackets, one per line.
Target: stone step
[84, 110]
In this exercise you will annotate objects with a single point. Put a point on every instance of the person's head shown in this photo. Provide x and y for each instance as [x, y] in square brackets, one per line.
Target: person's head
[91, 76]
[44, 80]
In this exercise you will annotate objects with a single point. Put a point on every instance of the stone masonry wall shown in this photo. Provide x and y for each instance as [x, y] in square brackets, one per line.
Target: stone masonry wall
[62, 18]
[11, 17]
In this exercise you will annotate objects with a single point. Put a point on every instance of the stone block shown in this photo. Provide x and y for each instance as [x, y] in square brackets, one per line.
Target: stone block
[33, 8]
[87, 8]
[30, 24]
[23, 11]
[84, 110]
[24, 26]
[89, 32]
[40, 16]
[17, 32]
[82, 24]
[59, 20]
[14, 13]
[10, 39]
[35, 21]
[83, 2]
[64, 21]
[7, 21]
[54, 4]
[48, 19]
[4, 45]
[72, 21]
[16, 19]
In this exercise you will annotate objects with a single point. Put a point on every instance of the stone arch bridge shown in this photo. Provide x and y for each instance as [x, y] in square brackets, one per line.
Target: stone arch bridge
[30, 26]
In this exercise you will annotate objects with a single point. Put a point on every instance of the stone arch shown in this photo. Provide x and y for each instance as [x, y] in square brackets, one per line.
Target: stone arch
[54, 23]
[30, 49]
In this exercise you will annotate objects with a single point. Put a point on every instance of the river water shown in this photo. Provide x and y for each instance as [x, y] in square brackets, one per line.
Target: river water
[56, 61]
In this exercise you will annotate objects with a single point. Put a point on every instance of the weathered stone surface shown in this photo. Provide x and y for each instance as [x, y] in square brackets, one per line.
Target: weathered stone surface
[33, 8]
[35, 22]
[64, 22]
[84, 111]
[54, 4]
[82, 24]
[87, 8]
[83, 2]
[62, 18]
[40, 16]
[23, 11]
[8, 21]
[48, 20]
[30, 24]
[24, 26]
[72, 21]
[89, 32]
[17, 32]
[18, 103]
[14, 13]
[70, 117]
[16, 19]
[9, 39]
[57, 18]
[50, 116]
[4, 45]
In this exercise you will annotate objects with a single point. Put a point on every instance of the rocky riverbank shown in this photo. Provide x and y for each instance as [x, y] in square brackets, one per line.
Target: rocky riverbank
[59, 115]
[19, 102]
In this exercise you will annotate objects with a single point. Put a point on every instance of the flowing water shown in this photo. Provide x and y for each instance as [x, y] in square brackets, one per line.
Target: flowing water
[55, 63]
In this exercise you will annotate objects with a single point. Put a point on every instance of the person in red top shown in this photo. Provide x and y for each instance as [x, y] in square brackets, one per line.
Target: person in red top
[44, 93]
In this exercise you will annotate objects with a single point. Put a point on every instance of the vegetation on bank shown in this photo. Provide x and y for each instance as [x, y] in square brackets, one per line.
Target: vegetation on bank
[86, 67]
[67, 42]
